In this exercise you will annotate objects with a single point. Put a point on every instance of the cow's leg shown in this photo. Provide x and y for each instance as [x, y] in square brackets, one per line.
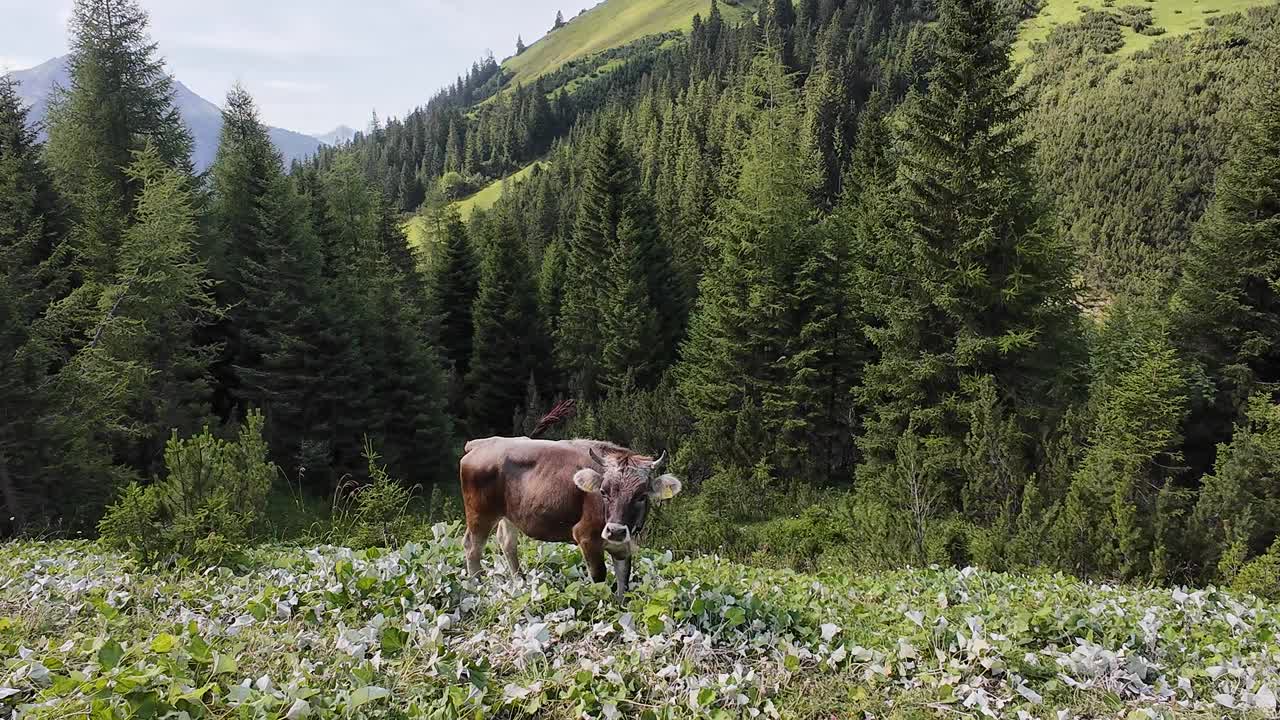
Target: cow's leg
[473, 542]
[592, 547]
[509, 539]
[622, 571]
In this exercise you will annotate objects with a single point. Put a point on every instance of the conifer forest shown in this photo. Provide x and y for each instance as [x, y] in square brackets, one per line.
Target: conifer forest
[895, 284]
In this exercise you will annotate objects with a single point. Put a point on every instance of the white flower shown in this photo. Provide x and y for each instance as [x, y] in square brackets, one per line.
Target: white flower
[829, 631]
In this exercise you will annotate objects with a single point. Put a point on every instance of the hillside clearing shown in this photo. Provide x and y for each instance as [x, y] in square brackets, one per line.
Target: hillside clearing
[328, 632]
[417, 230]
[611, 24]
[1177, 17]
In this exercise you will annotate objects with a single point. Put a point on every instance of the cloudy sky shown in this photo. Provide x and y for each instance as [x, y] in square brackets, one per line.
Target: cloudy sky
[311, 64]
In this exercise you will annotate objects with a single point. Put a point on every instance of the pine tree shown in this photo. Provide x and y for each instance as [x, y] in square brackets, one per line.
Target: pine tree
[271, 264]
[520, 48]
[733, 373]
[1227, 309]
[559, 20]
[453, 292]
[628, 322]
[606, 187]
[135, 373]
[33, 274]
[119, 97]
[977, 288]
[506, 343]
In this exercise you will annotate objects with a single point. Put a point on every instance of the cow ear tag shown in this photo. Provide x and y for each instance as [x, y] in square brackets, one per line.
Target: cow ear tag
[588, 480]
[668, 486]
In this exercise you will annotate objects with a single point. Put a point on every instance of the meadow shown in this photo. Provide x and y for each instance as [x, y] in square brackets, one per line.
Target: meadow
[1176, 17]
[314, 632]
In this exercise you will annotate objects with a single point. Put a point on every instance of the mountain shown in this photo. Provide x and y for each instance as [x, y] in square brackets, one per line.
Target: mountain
[36, 85]
[337, 136]
[612, 24]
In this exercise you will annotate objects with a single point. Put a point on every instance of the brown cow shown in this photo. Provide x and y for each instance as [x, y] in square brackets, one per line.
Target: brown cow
[591, 493]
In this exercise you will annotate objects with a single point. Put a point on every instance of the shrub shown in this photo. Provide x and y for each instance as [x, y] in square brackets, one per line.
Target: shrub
[375, 514]
[454, 186]
[1261, 576]
[206, 507]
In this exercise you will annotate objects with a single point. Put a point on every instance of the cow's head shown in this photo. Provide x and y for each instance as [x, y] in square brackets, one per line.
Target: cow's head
[627, 486]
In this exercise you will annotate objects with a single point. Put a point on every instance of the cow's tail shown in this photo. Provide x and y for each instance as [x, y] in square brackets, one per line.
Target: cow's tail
[562, 411]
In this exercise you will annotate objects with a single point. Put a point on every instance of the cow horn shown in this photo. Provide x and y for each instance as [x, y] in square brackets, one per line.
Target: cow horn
[594, 456]
[657, 464]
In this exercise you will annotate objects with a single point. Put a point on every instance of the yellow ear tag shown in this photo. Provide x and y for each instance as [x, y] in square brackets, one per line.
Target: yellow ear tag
[666, 493]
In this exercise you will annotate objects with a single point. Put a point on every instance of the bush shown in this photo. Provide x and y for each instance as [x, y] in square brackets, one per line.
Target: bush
[454, 186]
[1261, 576]
[207, 506]
[376, 514]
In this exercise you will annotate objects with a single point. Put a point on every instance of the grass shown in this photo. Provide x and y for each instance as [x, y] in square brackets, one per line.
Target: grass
[612, 23]
[1177, 17]
[417, 228]
[326, 632]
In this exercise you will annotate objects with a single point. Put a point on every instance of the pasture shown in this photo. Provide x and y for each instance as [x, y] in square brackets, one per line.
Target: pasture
[329, 632]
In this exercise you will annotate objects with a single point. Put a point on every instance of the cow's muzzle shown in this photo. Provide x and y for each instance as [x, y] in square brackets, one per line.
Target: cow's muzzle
[615, 532]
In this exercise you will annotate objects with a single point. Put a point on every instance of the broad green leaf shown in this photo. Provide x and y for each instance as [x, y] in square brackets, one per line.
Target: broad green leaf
[109, 654]
[164, 643]
[223, 664]
[393, 639]
[366, 694]
[706, 696]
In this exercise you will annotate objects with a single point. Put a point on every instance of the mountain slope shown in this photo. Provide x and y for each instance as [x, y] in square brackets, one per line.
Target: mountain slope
[337, 136]
[612, 23]
[1169, 18]
[36, 86]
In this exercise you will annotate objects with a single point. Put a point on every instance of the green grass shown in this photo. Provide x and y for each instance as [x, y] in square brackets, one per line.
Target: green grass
[489, 194]
[612, 23]
[1177, 17]
[420, 234]
[327, 632]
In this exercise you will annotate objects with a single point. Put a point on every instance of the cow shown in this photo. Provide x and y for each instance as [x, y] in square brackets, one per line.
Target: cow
[588, 492]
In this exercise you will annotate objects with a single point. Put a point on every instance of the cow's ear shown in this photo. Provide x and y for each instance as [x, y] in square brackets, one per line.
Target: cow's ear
[588, 480]
[665, 487]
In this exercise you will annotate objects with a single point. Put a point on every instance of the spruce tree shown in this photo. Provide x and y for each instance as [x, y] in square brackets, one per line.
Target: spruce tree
[506, 343]
[454, 281]
[1227, 308]
[629, 328]
[977, 291]
[33, 274]
[271, 269]
[135, 373]
[606, 185]
[734, 372]
[119, 97]
[611, 198]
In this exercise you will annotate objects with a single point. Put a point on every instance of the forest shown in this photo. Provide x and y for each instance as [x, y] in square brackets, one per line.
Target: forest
[885, 296]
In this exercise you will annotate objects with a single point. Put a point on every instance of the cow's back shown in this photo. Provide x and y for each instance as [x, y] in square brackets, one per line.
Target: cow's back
[530, 482]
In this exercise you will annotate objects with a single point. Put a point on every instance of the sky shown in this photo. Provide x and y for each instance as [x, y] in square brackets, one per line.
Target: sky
[311, 64]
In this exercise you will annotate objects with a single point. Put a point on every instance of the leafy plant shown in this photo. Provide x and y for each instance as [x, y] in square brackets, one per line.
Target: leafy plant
[374, 514]
[207, 506]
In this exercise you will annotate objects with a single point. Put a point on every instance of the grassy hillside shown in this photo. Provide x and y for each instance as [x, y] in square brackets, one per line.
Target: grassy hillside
[328, 632]
[1177, 17]
[612, 23]
[417, 229]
